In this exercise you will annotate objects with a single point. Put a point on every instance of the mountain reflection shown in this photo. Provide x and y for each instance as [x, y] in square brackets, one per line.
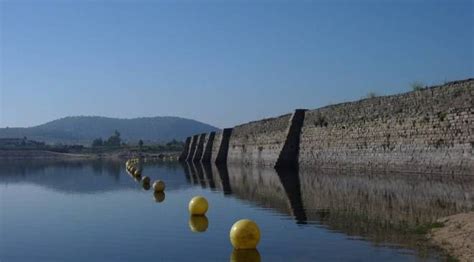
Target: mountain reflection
[85, 176]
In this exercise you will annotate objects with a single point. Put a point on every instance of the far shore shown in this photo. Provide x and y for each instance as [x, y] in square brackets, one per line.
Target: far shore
[113, 155]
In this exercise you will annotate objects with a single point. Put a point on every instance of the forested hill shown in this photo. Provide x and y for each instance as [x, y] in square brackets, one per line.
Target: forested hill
[84, 129]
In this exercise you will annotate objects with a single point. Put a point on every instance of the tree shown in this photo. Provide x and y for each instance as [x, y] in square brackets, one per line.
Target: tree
[114, 140]
[23, 142]
[172, 142]
[174, 145]
[140, 144]
[97, 142]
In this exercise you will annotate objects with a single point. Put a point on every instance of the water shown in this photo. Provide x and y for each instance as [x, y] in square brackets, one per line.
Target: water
[94, 211]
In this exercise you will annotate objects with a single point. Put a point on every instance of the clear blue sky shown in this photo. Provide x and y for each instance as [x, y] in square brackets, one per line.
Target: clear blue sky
[221, 62]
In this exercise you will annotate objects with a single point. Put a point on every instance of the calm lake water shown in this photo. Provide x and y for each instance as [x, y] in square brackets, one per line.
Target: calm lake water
[95, 211]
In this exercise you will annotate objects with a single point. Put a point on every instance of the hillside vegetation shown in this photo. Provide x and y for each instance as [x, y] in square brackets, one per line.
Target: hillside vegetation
[84, 129]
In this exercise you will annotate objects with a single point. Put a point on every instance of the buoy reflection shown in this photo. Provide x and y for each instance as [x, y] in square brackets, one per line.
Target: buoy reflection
[159, 196]
[245, 255]
[198, 223]
[146, 186]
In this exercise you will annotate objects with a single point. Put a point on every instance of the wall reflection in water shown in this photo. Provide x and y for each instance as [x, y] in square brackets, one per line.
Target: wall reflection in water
[381, 207]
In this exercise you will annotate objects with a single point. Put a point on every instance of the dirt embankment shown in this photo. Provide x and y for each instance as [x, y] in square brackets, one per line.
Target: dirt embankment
[456, 236]
[117, 155]
[40, 154]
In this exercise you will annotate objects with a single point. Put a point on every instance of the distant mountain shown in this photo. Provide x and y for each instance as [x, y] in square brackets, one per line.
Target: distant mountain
[83, 129]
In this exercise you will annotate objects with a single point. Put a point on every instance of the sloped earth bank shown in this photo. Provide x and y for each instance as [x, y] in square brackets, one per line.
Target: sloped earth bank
[456, 236]
[39, 154]
[112, 155]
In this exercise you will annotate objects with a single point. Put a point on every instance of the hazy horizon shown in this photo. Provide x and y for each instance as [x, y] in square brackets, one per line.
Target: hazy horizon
[222, 64]
[93, 116]
[170, 116]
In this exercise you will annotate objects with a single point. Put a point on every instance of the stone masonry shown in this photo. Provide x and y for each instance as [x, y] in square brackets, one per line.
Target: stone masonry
[429, 130]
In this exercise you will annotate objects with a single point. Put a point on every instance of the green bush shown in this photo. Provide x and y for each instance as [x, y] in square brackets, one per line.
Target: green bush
[371, 95]
[417, 86]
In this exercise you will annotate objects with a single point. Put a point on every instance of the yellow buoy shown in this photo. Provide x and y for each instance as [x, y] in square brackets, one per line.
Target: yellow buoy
[159, 196]
[244, 234]
[159, 186]
[198, 206]
[138, 178]
[245, 255]
[198, 223]
[146, 186]
[136, 172]
[145, 180]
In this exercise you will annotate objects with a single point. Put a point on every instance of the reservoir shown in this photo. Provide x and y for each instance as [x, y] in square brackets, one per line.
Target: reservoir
[96, 211]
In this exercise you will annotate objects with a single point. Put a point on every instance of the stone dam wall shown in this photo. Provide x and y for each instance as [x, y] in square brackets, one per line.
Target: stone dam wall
[207, 147]
[429, 130]
[220, 146]
[259, 142]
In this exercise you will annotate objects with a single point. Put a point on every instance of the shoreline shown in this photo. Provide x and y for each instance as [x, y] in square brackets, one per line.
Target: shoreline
[114, 155]
[456, 236]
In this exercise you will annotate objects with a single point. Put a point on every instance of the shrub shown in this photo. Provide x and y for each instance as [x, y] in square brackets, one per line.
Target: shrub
[321, 121]
[417, 86]
[371, 95]
[442, 116]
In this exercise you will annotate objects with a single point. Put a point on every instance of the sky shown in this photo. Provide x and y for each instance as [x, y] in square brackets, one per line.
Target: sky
[221, 62]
